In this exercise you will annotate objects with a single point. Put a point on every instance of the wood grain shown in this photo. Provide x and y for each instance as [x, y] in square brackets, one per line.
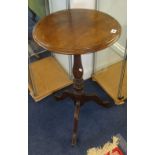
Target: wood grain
[76, 31]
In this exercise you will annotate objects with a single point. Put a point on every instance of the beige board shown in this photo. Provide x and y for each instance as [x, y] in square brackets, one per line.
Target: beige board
[109, 79]
[47, 77]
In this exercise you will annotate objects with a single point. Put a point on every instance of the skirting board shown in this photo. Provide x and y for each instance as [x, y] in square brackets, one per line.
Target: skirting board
[47, 77]
[109, 78]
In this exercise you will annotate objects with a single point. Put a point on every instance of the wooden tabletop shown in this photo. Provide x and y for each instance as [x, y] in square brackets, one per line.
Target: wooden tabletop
[76, 31]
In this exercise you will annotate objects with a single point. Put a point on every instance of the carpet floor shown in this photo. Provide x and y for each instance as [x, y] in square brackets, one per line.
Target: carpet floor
[51, 121]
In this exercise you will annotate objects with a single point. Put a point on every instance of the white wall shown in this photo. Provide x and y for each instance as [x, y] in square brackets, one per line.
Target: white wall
[104, 58]
[89, 4]
[117, 9]
[56, 5]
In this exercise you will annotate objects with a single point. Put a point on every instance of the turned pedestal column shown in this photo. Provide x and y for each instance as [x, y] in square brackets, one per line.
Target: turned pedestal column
[76, 32]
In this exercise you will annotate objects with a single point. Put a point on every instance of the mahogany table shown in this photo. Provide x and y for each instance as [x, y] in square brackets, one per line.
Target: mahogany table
[76, 32]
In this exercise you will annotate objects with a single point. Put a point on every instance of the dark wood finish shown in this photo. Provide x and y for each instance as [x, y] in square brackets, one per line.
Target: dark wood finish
[77, 31]
[76, 118]
[79, 96]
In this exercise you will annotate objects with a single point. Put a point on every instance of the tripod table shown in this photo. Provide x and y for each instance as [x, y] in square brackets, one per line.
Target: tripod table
[76, 32]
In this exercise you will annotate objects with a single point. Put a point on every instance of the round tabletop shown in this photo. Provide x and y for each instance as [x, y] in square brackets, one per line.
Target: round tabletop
[76, 31]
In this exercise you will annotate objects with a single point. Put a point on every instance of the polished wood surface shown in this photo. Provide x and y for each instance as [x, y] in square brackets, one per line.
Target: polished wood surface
[76, 31]
[79, 96]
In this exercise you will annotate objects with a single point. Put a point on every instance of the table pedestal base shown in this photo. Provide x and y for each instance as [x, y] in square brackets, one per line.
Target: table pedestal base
[79, 96]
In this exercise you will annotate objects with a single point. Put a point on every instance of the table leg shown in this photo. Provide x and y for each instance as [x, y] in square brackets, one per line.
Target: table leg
[76, 118]
[78, 74]
[78, 95]
[78, 90]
